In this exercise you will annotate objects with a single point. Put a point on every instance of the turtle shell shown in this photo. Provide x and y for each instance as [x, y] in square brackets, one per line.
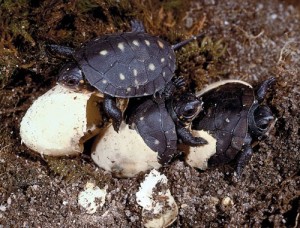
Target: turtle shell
[129, 64]
[225, 117]
[154, 124]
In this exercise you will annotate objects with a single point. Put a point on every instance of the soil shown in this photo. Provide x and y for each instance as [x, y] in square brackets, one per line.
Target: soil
[248, 40]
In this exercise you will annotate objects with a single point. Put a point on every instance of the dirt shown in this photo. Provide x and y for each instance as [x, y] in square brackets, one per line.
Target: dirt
[248, 40]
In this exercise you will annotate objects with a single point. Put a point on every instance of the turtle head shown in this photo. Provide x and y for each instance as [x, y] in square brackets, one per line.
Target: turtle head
[186, 108]
[260, 120]
[71, 76]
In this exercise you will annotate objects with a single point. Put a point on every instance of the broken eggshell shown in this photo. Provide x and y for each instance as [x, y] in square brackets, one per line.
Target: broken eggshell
[91, 198]
[60, 121]
[198, 156]
[154, 196]
[123, 153]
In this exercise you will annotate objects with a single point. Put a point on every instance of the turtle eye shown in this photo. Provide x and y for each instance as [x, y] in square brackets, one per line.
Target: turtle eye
[264, 123]
[263, 118]
[190, 112]
[72, 82]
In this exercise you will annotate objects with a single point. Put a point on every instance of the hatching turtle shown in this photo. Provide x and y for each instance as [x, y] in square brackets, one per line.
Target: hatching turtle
[125, 65]
[233, 115]
[161, 123]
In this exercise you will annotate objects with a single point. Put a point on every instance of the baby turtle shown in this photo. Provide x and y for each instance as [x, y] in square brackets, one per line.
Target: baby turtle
[233, 115]
[125, 65]
[161, 123]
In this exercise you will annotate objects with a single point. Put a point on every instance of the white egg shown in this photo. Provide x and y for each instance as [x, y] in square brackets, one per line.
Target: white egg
[60, 121]
[125, 153]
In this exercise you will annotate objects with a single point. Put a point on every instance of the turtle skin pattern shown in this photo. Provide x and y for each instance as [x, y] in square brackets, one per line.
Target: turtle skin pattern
[225, 116]
[129, 64]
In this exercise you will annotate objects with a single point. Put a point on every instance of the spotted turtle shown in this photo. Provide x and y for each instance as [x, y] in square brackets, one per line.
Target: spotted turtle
[233, 114]
[125, 65]
[161, 123]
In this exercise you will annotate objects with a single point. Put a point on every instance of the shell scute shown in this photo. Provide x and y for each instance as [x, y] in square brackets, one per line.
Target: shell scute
[138, 63]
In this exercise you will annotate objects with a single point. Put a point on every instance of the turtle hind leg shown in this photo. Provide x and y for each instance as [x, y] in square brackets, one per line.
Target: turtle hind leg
[60, 51]
[245, 156]
[185, 42]
[111, 109]
[188, 138]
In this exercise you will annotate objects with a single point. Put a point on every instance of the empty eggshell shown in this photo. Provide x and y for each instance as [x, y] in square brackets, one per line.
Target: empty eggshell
[91, 198]
[125, 153]
[198, 156]
[159, 206]
[59, 121]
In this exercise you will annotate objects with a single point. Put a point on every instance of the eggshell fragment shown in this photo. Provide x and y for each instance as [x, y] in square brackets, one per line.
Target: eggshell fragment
[59, 121]
[198, 156]
[125, 153]
[220, 83]
[159, 206]
[91, 198]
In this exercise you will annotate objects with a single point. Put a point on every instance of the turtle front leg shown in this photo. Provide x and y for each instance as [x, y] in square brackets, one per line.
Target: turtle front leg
[112, 111]
[171, 86]
[245, 156]
[186, 136]
[262, 90]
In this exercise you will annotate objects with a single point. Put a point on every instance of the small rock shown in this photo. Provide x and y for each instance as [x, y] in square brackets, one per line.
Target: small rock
[227, 201]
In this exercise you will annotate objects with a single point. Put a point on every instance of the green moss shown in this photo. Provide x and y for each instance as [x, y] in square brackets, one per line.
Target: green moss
[173, 4]
[14, 24]
[200, 62]
[215, 49]
[73, 169]
[85, 6]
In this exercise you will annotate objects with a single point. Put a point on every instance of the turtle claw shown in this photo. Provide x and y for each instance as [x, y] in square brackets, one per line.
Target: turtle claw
[200, 141]
[116, 125]
[170, 88]
[137, 26]
[179, 82]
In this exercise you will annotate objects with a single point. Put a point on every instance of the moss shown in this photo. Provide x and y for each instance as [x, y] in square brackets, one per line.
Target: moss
[73, 170]
[200, 62]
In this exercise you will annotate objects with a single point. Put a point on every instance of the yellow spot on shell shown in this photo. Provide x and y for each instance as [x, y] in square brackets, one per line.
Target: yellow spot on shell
[160, 44]
[136, 43]
[151, 66]
[103, 52]
[122, 76]
[121, 46]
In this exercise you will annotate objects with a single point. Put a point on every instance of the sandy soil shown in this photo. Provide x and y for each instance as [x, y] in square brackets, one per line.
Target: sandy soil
[262, 39]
